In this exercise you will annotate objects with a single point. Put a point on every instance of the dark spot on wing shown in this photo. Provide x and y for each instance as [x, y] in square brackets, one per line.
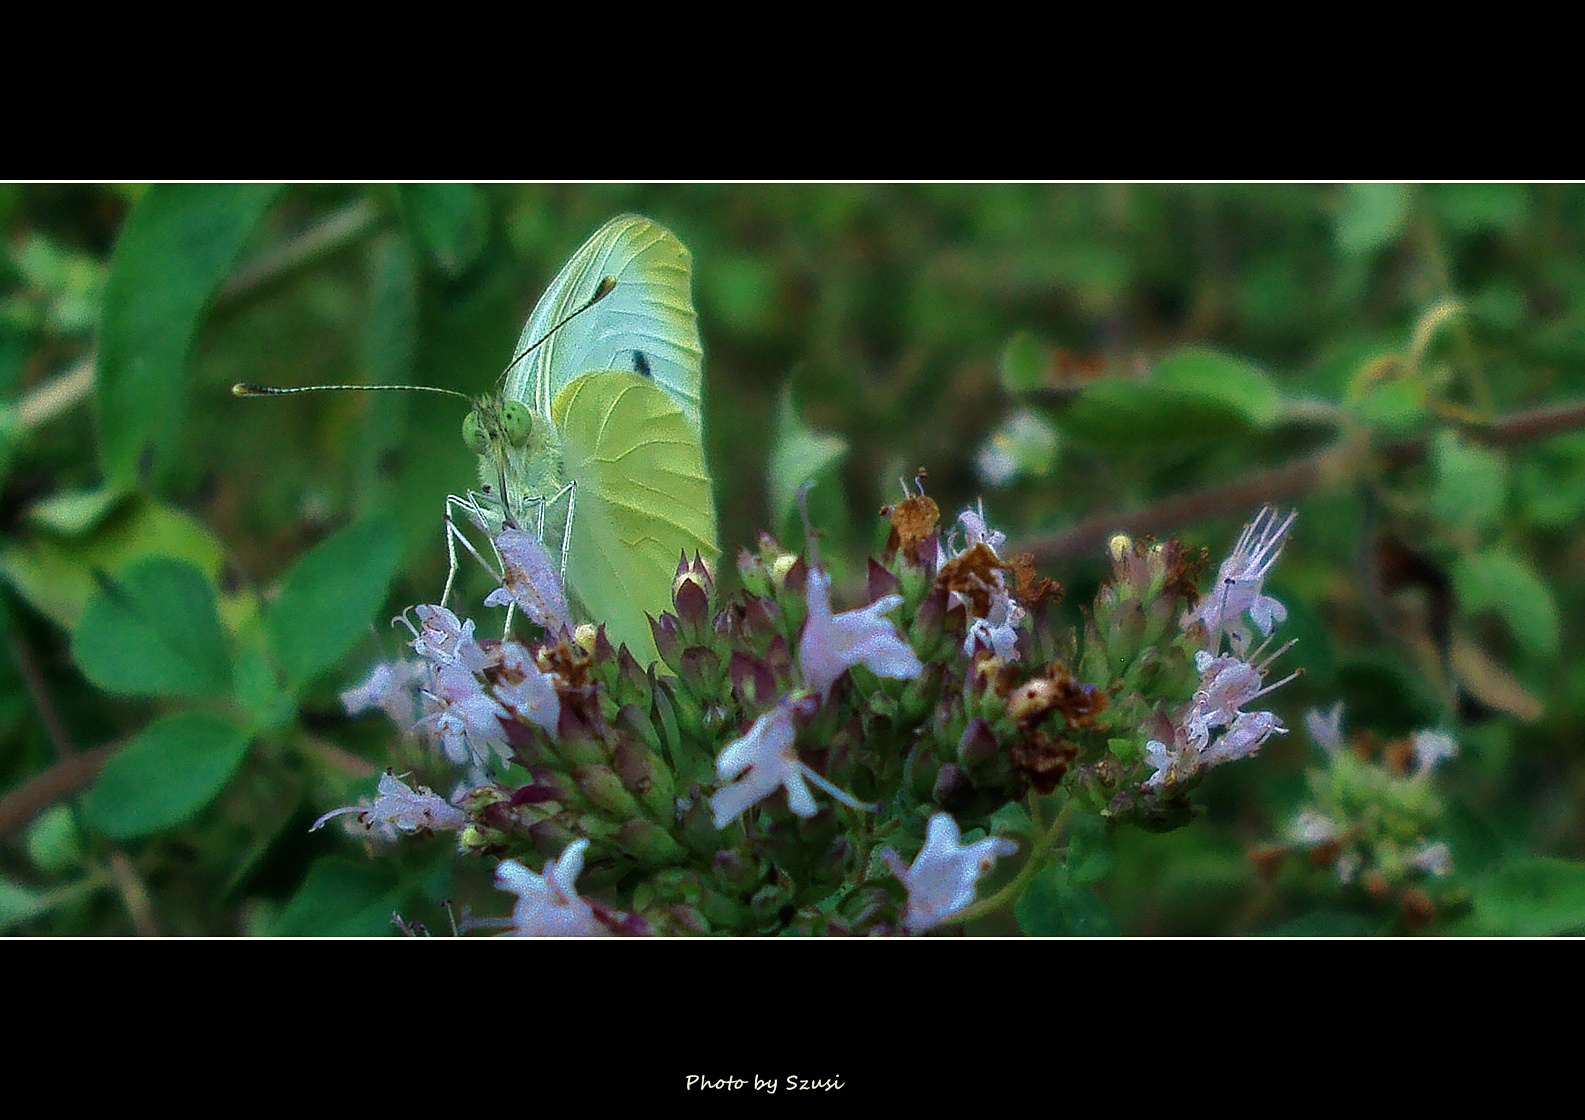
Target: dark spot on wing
[641, 364]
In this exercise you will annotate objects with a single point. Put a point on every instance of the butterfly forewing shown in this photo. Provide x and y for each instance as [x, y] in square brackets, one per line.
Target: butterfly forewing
[645, 325]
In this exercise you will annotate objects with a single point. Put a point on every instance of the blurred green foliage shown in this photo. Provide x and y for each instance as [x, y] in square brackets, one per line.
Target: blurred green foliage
[194, 577]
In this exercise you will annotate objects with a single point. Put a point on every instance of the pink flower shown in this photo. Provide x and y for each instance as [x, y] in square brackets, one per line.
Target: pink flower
[1238, 584]
[444, 640]
[534, 698]
[763, 761]
[530, 580]
[548, 905]
[400, 808]
[391, 686]
[943, 876]
[832, 644]
[462, 715]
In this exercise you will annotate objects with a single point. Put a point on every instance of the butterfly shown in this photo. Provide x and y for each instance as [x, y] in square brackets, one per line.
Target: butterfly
[592, 441]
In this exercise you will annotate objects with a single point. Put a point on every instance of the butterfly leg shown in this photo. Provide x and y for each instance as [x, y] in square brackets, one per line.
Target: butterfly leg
[569, 491]
[470, 506]
[452, 533]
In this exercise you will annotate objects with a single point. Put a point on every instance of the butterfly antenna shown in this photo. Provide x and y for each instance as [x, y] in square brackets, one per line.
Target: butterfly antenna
[606, 287]
[248, 389]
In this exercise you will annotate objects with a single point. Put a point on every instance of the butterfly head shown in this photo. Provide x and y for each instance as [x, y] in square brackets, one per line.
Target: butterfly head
[493, 427]
[519, 452]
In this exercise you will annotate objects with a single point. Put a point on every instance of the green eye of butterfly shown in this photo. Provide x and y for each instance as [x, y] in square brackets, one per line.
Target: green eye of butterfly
[517, 423]
[618, 481]
[473, 433]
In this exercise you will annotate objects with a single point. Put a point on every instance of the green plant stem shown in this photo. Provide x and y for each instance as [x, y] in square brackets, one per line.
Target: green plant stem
[1039, 855]
[134, 894]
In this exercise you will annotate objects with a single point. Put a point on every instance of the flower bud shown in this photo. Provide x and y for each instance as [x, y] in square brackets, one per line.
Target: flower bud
[604, 790]
[696, 824]
[648, 843]
[668, 639]
[691, 597]
[701, 670]
[781, 568]
[978, 744]
[646, 777]
[476, 840]
[953, 788]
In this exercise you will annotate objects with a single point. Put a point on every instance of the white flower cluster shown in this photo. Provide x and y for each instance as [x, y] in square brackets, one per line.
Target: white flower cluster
[1359, 846]
[997, 631]
[1217, 727]
[456, 705]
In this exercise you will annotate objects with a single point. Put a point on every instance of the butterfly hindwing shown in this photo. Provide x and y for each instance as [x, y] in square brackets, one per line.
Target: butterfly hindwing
[643, 497]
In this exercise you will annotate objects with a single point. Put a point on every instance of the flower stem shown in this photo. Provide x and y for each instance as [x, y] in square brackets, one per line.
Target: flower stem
[1039, 855]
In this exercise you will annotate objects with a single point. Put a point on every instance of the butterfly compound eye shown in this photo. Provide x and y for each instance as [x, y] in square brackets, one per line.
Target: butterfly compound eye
[473, 434]
[517, 423]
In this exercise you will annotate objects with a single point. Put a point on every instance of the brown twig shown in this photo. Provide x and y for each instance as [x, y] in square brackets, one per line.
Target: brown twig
[61, 393]
[67, 778]
[134, 894]
[33, 681]
[1287, 482]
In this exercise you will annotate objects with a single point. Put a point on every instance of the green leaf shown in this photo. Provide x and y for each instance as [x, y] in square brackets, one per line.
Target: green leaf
[76, 512]
[19, 904]
[176, 249]
[154, 631]
[1511, 588]
[12, 436]
[178, 765]
[1024, 363]
[1397, 405]
[55, 574]
[799, 455]
[1237, 384]
[258, 692]
[1091, 854]
[1551, 484]
[329, 598]
[1538, 898]
[449, 221]
[1052, 906]
[52, 841]
[390, 356]
[1372, 216]
[1470, 489]
[1480, 207]
[1127, 415]
[341, 899]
